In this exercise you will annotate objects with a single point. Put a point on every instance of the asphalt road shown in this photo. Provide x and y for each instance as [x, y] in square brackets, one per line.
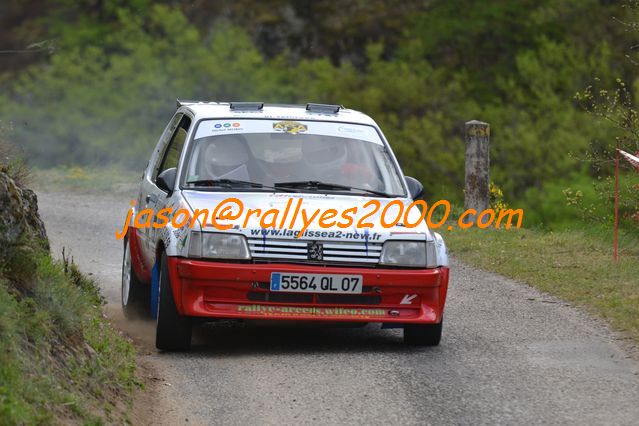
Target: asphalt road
[509, 354]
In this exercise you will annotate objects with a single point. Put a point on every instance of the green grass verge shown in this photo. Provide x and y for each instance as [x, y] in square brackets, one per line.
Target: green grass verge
[60, 360]
[575, 265]
[86, 180]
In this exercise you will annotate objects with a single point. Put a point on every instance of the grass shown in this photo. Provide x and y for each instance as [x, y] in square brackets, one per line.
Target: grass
[86, 180]
[60, 360]
[575, 265]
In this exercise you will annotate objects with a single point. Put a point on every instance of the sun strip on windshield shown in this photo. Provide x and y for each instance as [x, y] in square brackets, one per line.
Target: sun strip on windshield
[208, 128]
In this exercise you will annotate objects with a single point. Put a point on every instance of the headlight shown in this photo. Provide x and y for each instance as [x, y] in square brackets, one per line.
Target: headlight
[218, 246]
[409, 253]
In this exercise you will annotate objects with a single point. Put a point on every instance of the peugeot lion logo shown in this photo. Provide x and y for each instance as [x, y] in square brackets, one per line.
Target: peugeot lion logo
[315, 251]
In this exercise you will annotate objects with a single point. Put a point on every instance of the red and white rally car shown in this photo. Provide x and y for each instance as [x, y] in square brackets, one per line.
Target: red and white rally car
[275, 159]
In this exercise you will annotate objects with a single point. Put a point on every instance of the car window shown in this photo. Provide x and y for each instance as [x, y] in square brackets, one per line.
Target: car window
[175, 146]
[154, 164]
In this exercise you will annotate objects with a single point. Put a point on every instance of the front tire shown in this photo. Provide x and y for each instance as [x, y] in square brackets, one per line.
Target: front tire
[423, 334]
[135, 294]
[173, 331]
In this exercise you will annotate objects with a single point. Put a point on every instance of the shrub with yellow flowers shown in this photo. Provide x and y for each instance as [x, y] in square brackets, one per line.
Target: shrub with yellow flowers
[497, 202]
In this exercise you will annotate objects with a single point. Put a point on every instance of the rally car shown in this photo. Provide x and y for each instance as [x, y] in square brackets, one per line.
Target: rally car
[274, 158]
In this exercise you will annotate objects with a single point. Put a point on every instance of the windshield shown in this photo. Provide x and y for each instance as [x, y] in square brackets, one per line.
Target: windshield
[276, 152]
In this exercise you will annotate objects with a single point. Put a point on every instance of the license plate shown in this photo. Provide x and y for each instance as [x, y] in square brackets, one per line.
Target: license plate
[316, 283]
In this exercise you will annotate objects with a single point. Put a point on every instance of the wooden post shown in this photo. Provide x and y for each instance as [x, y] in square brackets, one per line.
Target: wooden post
[476, 190]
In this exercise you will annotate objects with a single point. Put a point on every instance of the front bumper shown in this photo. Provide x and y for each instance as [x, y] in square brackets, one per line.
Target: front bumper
[234, 290]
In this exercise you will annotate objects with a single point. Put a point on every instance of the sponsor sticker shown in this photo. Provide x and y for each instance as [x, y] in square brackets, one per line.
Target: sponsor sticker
[292, 127]
[351, 130]
[296, 311]
[221, 127]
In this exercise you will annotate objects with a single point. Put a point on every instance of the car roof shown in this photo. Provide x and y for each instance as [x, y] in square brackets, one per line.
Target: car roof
[204, 110]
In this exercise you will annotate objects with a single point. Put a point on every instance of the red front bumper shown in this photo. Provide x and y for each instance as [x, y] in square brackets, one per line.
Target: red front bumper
[233, 290]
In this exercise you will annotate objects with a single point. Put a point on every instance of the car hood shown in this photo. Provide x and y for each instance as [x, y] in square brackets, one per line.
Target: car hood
[288, 224]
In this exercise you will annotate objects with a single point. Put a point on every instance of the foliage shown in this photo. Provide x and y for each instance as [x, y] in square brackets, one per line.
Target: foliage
[616, 105]
[113, 105]
[106, 92]
[563, 203]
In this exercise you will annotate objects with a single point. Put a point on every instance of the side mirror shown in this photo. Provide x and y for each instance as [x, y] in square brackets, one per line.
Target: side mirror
[415, 188]
[166, 180]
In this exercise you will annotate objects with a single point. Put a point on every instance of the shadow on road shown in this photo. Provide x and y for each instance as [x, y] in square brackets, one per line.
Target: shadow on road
[226, 339]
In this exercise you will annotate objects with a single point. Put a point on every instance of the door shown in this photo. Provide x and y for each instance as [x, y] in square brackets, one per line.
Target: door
[155, 198]
[149, 192]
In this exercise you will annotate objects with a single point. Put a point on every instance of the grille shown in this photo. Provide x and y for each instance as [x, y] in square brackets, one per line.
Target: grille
[348, 299]
[277, 297]
[297, 250]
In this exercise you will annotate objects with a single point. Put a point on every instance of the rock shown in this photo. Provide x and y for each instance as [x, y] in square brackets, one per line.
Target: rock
[20, 223]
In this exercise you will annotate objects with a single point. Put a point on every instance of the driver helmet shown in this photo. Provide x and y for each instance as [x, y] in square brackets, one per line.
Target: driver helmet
[224, 154]
[328, 154]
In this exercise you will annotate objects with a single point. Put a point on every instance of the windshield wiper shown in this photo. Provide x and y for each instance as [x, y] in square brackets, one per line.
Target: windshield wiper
[232, 183]
[331, 186]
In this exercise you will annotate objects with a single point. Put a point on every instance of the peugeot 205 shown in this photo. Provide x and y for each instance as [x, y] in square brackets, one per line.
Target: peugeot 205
[269, 262]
